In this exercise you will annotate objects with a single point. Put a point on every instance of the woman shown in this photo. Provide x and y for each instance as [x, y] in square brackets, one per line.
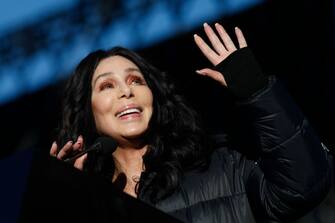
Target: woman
[162, 156]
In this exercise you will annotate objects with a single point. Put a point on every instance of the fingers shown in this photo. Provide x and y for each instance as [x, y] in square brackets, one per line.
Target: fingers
[221, 47]
[67, 148]
[53, 150]
[240, 38]
[213, 38]
[70, 148]
[216, 75]
[79, 163]
[206, 50]
[78, 146]
[229, 44]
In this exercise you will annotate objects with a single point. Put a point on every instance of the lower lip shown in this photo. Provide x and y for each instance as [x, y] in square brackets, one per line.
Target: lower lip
[131, 116]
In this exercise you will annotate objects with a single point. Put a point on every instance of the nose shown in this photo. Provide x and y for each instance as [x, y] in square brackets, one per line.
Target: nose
[125, 91]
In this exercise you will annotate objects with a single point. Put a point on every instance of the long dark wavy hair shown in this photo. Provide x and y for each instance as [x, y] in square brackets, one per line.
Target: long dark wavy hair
[175, 138]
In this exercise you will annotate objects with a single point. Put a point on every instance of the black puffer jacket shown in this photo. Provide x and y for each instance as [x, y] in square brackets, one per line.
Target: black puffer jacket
[290, 177]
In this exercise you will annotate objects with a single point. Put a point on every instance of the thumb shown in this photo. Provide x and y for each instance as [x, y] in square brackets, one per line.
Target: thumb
[79, 163]
[215, 75]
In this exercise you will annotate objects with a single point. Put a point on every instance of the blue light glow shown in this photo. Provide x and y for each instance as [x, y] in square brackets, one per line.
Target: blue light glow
[139, 27]
[16, 13]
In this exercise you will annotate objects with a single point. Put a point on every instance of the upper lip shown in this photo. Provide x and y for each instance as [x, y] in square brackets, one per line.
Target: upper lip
[129, 106]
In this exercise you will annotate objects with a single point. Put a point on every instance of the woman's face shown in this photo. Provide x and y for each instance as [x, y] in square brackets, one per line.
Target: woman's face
[121, 99]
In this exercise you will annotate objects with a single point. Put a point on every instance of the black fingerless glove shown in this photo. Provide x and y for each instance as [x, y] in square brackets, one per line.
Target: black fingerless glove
[242, 73]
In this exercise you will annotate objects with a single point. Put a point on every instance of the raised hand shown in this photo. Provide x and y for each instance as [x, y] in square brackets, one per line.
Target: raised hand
[222, 47]
[70, 148]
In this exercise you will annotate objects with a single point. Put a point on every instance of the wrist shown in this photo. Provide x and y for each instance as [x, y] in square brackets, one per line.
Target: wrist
[242, 73]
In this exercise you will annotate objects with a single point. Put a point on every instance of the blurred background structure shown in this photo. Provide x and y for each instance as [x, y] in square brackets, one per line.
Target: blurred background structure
[42, 41]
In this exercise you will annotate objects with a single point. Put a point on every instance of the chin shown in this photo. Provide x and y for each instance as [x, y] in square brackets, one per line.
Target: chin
[133, 135]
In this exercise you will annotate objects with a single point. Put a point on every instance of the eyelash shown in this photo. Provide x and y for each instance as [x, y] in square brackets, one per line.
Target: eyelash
[138, 80]
[132, 80]
[106, 85]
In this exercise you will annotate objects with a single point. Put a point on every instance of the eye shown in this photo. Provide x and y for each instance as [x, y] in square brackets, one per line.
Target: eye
[134, 80]
[106, 85]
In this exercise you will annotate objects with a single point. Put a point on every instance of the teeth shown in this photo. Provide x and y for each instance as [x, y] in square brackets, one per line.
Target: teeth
[125, 112]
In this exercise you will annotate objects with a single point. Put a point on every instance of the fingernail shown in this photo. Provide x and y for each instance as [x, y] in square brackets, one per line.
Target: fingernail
[236, 28]
[195, 35]
[205, 24]
[199, 72]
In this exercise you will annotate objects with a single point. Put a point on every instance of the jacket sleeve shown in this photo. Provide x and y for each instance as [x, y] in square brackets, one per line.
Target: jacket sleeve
[292, 174]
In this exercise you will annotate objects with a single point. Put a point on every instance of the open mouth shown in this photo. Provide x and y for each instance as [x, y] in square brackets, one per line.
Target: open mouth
[129, 111]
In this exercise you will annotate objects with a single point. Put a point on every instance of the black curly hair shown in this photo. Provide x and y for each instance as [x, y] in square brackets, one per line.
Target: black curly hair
[176, 142]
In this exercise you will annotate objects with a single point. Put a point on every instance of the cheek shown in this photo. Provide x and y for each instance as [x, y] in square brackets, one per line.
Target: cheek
[148, 101]
[101, 103]
[101, 107]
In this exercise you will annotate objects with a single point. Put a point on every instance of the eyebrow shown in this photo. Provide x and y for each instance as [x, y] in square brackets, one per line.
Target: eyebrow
[130, 69]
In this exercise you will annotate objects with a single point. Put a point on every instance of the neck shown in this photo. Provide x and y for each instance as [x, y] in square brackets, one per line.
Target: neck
[129, 159]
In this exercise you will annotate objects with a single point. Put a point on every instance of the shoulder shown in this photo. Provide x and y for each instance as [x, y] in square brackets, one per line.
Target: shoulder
[226, 157]
[224, 176]
[223, 180]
